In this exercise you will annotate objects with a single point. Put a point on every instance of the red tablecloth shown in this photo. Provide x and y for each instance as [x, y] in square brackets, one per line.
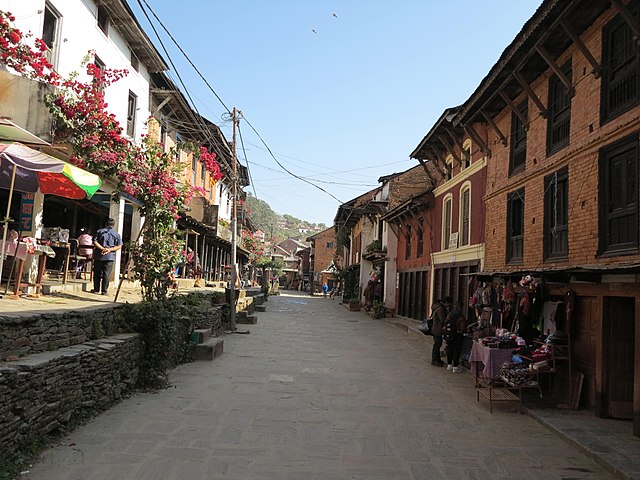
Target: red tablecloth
[492, 358]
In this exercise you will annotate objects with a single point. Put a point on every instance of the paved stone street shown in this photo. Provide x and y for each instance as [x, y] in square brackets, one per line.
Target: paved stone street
[314, 392]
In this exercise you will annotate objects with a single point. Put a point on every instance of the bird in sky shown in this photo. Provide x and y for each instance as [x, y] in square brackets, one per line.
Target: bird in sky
[313, 31]
[335, 15]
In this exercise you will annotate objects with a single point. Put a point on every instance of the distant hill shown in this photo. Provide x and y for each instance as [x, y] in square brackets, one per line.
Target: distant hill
[279, 226]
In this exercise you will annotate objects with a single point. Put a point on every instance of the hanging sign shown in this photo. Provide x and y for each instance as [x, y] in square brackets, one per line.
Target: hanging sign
[26, 212]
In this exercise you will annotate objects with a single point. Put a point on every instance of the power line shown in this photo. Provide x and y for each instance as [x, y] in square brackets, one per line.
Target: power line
[218, 97]
[284, 168]
[184, 54]
[246, 160]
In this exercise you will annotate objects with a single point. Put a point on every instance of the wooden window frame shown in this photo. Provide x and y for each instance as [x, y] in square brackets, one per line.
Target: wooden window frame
[132, 108]
[611, 193]
[465, 221]
[556, 215]
[559, 112]
[518, 141]
[407, 241]
[447, 211]
[616, 75]
[515, 233]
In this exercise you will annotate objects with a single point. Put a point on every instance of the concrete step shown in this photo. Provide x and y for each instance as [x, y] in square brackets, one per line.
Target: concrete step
[261, 308]
[244, 319]
[210, 349]
[199, 336]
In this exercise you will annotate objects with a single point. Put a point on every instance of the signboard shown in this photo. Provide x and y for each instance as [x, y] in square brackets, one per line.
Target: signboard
[26, 212]
[453, 240]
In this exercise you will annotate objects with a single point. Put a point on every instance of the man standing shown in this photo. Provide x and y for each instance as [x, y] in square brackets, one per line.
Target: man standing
[106, 242]
[438, 314]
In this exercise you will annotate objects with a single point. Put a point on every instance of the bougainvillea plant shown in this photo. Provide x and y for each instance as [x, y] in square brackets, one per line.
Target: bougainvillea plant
[145, 172]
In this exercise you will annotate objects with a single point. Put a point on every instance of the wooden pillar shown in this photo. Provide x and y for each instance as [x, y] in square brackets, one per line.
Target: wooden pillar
[636, 380]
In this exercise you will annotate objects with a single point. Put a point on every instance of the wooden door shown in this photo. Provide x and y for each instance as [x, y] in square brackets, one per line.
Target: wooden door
[619, 314]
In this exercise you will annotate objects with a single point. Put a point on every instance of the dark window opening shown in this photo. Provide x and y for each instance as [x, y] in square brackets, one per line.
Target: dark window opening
[446, 227]
[620, 66]
[103, 20]
[559, 118]
[518, 154]
[407, 250]
[465, 217]
[420, 245]
[619, 196]
[515, 226]
[132, 107]
[556, 215]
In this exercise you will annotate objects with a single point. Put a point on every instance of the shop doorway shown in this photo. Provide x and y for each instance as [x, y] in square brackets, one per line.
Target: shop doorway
[619, 325]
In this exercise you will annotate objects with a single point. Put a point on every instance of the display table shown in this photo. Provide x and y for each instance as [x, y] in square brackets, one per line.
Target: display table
[490, 358]
[489, 382]
[20, 251]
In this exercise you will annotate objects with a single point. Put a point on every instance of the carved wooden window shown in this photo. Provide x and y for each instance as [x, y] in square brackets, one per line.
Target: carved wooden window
[518, 157]
[620, 76]
[446, 224]
[556, 215]
[619, 196]
[465, 220]
[559, 118]
[515, 226]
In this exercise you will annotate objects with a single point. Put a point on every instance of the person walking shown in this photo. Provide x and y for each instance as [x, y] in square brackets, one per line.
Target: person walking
[106, 242]
[438, 315]
[455, 326]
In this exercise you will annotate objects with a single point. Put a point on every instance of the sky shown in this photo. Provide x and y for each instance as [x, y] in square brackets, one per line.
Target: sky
[341, 91]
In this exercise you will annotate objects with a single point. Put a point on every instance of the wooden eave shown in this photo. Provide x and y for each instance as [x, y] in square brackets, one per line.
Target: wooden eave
[122, 18]
[552, 29]
[409, 207]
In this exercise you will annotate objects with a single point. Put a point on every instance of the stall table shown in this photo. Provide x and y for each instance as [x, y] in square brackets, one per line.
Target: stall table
[20, 251]
[490, 384]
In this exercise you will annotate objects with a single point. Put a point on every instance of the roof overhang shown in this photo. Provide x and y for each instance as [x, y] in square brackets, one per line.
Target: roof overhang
[123, 19]
[547, 28]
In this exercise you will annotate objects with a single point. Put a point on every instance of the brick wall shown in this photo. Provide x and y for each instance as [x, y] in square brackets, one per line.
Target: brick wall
[587, 137]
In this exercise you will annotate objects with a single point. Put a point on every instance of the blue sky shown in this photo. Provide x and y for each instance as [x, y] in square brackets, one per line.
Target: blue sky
[341, 91]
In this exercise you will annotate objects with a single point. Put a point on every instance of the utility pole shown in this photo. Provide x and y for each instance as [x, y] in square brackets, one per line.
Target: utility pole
[234, 227]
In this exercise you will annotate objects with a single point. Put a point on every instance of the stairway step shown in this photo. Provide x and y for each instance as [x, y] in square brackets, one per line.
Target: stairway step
[200, 335]
[261, 308]
[210, 349]
[247, 319]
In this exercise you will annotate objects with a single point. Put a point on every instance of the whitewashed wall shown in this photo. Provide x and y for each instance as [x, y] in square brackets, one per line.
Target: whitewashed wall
[80, 33]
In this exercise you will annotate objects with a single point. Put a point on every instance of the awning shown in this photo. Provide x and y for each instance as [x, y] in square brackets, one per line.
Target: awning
[9, 131]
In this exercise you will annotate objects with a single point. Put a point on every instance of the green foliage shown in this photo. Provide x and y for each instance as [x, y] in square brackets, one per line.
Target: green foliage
[378, 309]
[342, 237]
[266, 263]
[374, 246]
[265, 219]
[97, 330]
[350, 281]
[165, 329]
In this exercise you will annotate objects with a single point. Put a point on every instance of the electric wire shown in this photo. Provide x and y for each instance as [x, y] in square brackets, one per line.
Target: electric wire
[246, 160]
[218, 97]
[204, 129]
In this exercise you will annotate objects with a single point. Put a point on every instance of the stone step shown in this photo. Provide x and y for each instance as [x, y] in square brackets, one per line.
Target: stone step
[245, 319]
[200, 335]
[261, 308]
[210, 349]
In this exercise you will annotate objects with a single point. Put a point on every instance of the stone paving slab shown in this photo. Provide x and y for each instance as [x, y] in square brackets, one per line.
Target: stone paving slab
[314, 392]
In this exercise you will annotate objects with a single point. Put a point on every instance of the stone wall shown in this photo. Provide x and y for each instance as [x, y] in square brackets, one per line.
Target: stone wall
[41, 392]
[26, 334]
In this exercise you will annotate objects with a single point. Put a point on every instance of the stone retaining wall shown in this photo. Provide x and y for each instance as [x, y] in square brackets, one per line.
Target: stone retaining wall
[41, 392]
[35, 333]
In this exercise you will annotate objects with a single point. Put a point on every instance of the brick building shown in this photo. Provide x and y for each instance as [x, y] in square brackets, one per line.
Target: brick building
[560, 116]
[322, 257]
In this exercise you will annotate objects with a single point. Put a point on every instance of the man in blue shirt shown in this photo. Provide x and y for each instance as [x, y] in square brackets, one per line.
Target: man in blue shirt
[106, 242]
